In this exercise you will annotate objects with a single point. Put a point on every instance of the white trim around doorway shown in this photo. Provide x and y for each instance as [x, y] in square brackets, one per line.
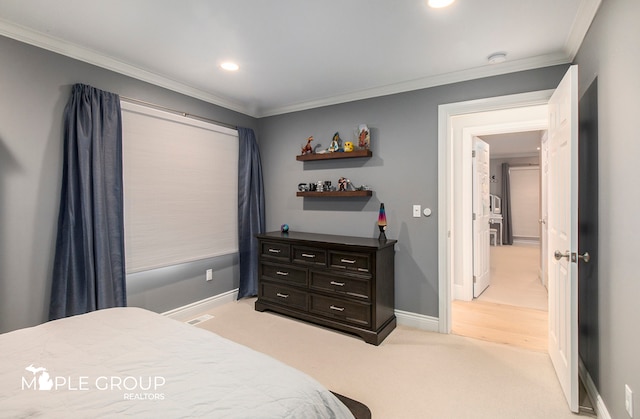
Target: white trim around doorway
[456, 122]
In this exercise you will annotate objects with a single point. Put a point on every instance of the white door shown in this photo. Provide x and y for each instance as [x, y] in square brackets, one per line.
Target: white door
[563, 234]
[481, 213]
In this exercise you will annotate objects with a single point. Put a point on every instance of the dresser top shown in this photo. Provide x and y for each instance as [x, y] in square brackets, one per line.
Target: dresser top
[295, 236]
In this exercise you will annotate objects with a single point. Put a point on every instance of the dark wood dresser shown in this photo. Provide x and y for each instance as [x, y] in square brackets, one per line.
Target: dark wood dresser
[341, 282]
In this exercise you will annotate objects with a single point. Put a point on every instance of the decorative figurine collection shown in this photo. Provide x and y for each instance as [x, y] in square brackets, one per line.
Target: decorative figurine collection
[344, 184]
[362, 134]
[363, 137]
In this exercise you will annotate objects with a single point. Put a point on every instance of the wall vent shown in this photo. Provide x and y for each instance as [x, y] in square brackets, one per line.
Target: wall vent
[200, 319]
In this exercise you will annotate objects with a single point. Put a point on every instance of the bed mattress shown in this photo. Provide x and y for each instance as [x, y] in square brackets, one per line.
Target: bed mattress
[133, 362]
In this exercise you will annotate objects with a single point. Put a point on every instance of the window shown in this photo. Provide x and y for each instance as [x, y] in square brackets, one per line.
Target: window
[180, 188]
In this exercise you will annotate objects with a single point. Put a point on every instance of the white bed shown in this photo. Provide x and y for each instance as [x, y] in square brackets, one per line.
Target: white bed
[130, 361]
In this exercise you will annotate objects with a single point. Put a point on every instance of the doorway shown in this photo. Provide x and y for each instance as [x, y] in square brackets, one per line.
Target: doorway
[512, 309]
[458, 122]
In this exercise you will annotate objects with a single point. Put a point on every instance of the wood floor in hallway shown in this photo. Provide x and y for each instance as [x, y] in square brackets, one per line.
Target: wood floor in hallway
[513, 310]
[512, 325]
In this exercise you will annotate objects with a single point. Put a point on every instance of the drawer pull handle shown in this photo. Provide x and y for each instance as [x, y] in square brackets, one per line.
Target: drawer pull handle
[282, 273]
[348, 261]
[339, 284]
[308, 255]
[363, 269]
[336, 308]
[275, 250]
[282, 295]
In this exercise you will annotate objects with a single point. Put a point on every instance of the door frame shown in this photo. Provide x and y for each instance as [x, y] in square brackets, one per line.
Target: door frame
[457, 122]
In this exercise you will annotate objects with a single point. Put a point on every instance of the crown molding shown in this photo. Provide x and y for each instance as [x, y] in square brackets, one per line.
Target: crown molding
[586, 13]
[57, 45]
[426, 82]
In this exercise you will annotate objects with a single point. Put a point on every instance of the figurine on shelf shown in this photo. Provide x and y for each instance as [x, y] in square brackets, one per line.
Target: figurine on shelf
[307, 148]
[364, 137]
[348, 147]
[343, 184]
[335, 143]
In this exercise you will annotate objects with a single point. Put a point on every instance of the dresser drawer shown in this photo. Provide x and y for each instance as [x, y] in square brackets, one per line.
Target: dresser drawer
[275, 250]
[283, 295]
[309, 255]
[345, 285]
[348, 311]
[286, 273]
[359, 262]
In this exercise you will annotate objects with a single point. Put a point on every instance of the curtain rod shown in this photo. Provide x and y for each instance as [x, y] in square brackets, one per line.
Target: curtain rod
[185, 114]
[524, 164]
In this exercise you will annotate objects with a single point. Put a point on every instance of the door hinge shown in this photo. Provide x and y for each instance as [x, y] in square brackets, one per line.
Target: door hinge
[474, 216]
[475, 279]
[473, 153]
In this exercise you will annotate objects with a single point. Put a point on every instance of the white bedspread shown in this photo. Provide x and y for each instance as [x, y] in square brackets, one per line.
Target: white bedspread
[133, 362]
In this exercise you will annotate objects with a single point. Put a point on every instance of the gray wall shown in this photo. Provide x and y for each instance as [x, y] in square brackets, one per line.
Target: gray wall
[402, 172]
[610, 52]
[34, 88]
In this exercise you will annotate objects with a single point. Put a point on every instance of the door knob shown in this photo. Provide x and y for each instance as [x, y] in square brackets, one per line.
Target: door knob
[559, 255]
[586, 257]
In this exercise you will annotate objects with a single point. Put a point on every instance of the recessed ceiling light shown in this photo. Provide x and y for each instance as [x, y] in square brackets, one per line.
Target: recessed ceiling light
[437, 4]
[497, 58]
[229, 66]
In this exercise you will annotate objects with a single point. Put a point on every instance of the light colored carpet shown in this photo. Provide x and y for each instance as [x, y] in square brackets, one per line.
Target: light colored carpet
[515, 277]
[412, 374]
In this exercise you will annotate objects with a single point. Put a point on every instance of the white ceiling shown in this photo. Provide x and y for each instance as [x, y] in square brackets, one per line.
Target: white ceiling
[519, 144]
[300, 54]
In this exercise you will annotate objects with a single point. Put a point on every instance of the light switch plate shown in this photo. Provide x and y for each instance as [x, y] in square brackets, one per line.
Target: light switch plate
[416, 211]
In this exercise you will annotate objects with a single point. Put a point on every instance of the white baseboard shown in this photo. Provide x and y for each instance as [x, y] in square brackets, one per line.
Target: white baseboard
[526, 241]
[460, 293]
[418, 321]
[592, 391]
[189, 311]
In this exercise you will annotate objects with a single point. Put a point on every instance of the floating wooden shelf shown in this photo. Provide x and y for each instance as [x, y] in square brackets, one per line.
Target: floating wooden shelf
[341, 194]
[335, 155]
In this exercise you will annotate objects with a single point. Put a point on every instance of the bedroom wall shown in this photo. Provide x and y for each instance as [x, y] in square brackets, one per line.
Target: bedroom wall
[34, 88]
[610, 53]
[402, 172]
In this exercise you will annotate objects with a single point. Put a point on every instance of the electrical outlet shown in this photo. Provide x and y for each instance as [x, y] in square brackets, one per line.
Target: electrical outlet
[628, 400]
[416, 211]
[209, 274]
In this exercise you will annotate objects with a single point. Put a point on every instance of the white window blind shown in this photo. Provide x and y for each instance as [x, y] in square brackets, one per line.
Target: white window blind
[180, 188]
[525, 201]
